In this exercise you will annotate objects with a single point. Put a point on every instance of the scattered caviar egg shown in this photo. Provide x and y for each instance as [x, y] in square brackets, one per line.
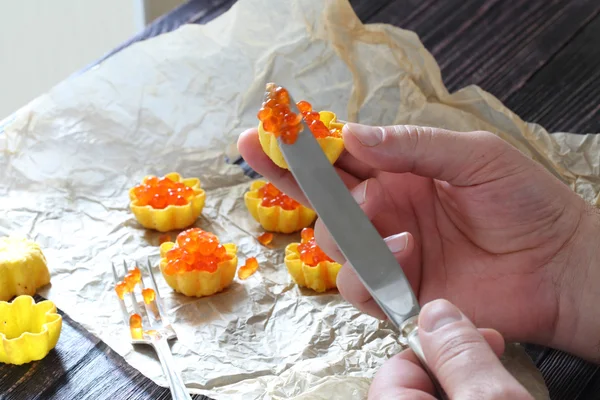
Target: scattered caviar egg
[310, 253]
[164, 238]
[121, 289]
[135, 321]
[195, 250]
[265, 238]
[159, 193]
[148, 295]
[280, 120]
[271, 196]
[135, 326]
[248, 269]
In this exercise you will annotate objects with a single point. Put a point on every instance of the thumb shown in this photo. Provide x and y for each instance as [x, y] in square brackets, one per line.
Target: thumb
[460, 158]
[460, 357]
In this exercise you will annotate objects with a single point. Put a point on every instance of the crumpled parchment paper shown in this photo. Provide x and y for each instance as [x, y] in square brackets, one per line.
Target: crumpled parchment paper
[177, 103]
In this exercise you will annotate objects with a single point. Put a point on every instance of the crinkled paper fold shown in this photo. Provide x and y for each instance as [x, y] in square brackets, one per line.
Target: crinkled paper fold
[177, 103]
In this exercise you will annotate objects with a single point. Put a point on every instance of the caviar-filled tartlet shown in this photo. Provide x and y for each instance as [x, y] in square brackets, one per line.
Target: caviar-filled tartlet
[275, 211]
[28, 331]
[277, 119]
[23, 267]
[309, 266]
[167, 203]
[197, 264]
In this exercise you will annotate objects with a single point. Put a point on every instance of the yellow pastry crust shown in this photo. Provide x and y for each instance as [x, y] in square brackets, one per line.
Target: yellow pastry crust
[28, 331]
[275, 218]
[200, 283]
[319, 278]
[172, 217]
[23, 267]
[332, 146]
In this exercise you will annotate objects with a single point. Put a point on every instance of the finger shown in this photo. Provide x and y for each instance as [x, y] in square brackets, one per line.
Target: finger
[355, 167]
[351, 287]
[461, 158]
[461, 359]
[252, 152]
[403, 376]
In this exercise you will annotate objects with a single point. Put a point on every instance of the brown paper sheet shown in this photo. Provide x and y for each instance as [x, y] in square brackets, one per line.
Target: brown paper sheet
[177, 103]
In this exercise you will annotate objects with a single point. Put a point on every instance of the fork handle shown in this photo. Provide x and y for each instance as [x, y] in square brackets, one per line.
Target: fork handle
[178, 389]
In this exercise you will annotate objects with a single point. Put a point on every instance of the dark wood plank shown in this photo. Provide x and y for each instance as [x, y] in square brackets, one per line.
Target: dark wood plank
[80, 367]
[500, 45]
[564, 95]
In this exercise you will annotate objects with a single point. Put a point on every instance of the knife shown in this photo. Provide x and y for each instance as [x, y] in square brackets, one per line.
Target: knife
[358, 240]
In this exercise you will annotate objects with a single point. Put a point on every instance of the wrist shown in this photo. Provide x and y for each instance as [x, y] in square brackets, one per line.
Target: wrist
[577, 327]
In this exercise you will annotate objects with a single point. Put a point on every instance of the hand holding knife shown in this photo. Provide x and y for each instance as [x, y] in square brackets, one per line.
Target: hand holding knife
[358, 240]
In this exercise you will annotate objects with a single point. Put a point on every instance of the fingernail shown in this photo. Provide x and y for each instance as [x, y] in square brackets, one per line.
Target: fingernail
[437, 314]
[367, 135]
[397, 243]
[360, 192]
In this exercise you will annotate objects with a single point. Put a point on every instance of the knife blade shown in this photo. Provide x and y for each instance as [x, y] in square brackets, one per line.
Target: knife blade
[354, 234]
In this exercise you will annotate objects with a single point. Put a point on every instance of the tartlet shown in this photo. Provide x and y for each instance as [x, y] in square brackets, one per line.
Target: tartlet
[179, 211]
[276, 119]
[23, 267]
[28, 331]
[286, 216]
[319, 275]
[192, 268]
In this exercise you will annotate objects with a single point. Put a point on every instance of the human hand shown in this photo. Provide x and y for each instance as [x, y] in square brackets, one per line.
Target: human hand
[473, 220]
[463, 359]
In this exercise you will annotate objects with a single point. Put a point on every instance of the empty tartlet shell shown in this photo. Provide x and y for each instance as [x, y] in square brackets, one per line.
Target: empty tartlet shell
[28, 331]
[172, 217]
[200, 283]
[23, 267]
[275, 218]
[332, 146]
[319, 278]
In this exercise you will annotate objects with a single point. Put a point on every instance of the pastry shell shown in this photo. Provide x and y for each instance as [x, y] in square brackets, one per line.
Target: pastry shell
[172, 217]
[319, 278]
[23, 267]
[28, 331]
[200, 283]
[275, 218]
[332, 146]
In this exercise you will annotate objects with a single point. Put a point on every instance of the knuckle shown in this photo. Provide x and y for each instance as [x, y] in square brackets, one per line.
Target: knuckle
[456, 350]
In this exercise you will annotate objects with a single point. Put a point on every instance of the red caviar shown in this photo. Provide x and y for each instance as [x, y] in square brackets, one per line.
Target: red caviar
[160, 193]
[135, 321]
[196, 250]
[265, 238]
[280, 120]
[248, 269]
[310, 253]
[271, 196]
[133, 277]
[148, 295]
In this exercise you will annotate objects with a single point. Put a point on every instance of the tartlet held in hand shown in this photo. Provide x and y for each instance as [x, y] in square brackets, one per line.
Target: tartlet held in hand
[197, 264]
[276, 119]
[309, 266]
[23, 267]
[167, 203]
[275, 211]
[28, 331]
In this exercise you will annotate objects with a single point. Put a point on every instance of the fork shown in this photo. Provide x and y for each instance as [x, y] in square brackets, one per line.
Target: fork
[160, 331]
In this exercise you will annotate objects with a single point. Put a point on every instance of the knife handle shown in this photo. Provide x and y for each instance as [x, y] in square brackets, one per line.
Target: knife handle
[410, 330]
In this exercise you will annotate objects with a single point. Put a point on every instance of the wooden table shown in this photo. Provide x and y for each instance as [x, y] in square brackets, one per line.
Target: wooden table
[540, 57]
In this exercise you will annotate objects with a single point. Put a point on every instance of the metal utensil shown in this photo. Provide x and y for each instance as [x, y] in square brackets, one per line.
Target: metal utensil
[159, 333]
[356, 237]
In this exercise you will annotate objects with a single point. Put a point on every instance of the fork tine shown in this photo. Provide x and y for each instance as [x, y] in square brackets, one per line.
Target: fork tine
[158, 300]
[136, 307]
[121, 302]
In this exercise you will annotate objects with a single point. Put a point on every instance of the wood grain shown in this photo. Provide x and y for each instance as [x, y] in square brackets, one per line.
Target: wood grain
[540, 57]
